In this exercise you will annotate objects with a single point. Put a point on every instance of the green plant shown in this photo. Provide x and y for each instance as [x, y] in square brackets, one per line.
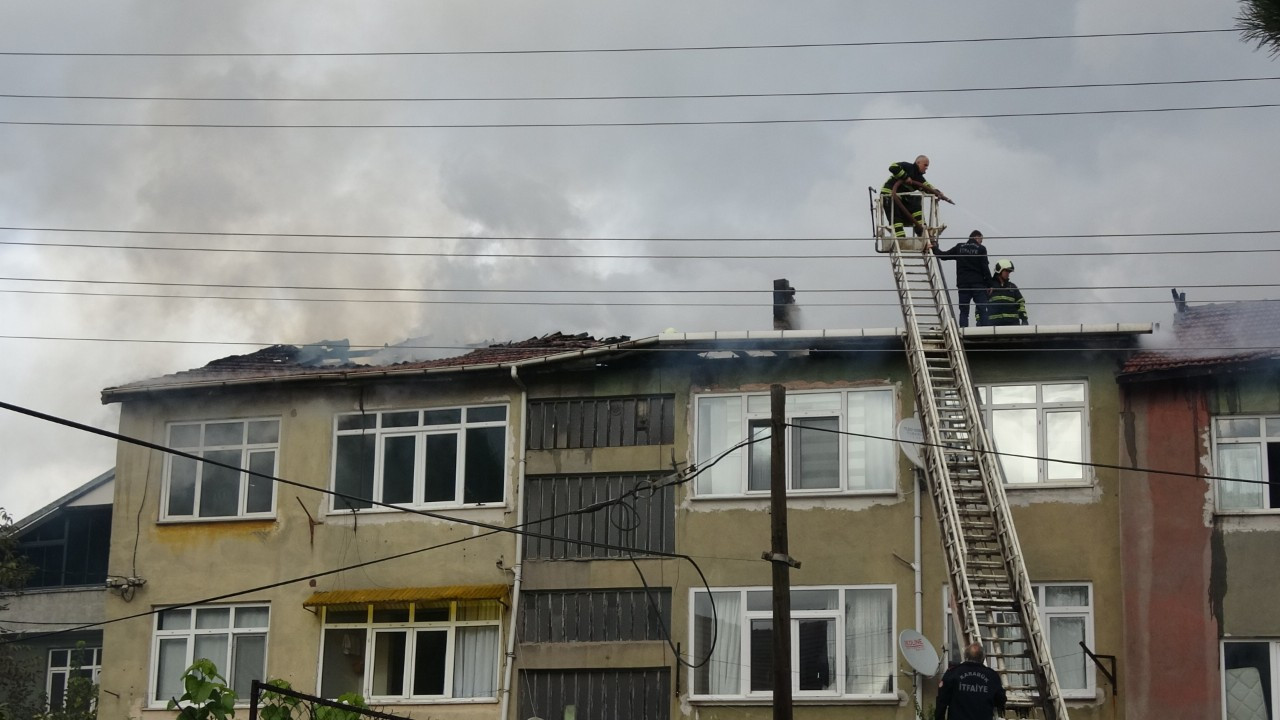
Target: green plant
[80, 699]
[276, 706]
[324, 712]
[207, 696]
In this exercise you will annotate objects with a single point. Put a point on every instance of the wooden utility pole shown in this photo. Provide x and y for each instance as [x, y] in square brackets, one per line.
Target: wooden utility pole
[778, 557]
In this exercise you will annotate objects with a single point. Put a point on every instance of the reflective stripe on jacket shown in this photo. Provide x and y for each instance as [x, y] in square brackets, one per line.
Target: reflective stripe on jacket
[1005, 302]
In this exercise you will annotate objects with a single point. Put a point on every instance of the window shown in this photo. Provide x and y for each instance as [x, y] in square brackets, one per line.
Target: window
[1046, 420]
[1066, 616]
[1247, 448]
[1250, 679]
[66, 664]
[194, 489]
[234, 637]
[412, 651]
[822, 459]
[449, 456]
[68, 548]
[842, 642]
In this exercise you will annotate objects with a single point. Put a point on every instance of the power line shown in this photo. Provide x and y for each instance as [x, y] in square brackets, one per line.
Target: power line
[587, 256]
[623, 123]
[637, 49]
[587, 238]
[658, 96]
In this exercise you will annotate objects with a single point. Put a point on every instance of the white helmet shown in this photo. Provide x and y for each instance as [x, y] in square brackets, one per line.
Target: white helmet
[1004, 265]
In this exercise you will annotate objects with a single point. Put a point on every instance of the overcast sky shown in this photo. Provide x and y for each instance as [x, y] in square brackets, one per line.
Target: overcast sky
[616, 189]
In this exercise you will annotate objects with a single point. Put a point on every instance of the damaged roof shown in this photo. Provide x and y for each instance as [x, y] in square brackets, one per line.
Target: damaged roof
[1210, 337]
[335, 358]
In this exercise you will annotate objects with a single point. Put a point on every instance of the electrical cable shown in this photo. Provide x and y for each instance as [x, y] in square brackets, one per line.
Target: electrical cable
[621, 123]
[646, 49]
[670, 96]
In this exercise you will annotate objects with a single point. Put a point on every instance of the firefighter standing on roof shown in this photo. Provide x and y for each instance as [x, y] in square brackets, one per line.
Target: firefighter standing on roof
[973, 275]
[1005, 304]
[907, 177]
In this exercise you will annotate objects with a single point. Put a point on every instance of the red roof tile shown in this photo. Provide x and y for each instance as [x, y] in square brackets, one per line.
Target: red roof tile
[1208, 336]
[329, 357]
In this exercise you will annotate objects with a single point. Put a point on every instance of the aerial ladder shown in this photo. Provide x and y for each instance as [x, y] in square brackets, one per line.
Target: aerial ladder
[992, 596]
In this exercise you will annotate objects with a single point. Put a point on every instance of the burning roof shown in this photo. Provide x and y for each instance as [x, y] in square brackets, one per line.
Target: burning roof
[1209, 337]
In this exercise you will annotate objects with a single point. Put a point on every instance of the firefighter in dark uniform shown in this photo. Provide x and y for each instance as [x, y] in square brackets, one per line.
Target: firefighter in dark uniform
[907, 177]
[973, 275]
[1005, 304]
[970, 690]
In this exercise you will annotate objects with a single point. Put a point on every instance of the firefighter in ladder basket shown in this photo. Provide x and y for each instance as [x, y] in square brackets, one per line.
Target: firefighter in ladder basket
[905, 177]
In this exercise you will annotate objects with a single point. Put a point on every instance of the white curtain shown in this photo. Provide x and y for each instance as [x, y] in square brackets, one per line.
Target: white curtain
[720, 428]
[1065, 635]
[722, 673]
[868, 642]
[1243, 461]
[475, 663]
[872, 463]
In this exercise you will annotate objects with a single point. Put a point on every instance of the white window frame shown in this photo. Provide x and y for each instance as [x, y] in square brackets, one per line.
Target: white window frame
[246, 449]
[1273, 648]
[740, 458]
[1266, 422]
[420, 432]
[410, 629]
[745, 617]
[952, 647]
[94, 668]
[226, 669]
[1042, 409]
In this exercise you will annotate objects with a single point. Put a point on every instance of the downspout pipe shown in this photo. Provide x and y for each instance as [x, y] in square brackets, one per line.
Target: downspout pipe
[918, 568]
[518, 568]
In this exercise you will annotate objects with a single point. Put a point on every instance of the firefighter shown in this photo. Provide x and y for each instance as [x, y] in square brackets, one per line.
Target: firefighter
[973, 275]
[907, 177]
[1005, 304]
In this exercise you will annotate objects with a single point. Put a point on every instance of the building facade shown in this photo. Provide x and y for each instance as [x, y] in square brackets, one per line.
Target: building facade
[380, 562]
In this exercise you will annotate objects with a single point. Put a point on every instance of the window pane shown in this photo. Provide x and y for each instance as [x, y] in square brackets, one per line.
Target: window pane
[719, 428]
[333, 616]
[343, 658]
[1247, 680]
[722, 673]
[213, 618]
[759, 601]
[868, 642]
[758, 404]
[390, 615]
[1011, 394]
[442, 417]
[1014, 431]
[182, 485]
[813, 402]
[1064, 431]
[816, 642]
[429, 661]
[212, 647]
[57, 689]
[1239, 427]
[815, 449]
[759, 455]
[58, 659]
[1273, 427]
[872, 463]
[813, 600]
[171, 661]
[228, 433]
[357, 422]
[483, 474]
[398, 463]
[479, 610]
[252, 617]
[1063, 392]
[1065, 636]
[264, 432]
[249, 663]
[442, 468]
[353, 472]
[261, 490]
[219, 486]
[175, 619]
[1243, 461]
[1066, 596]
[761, 655]
[184, 436]
[475, 664]
[400, 419]
[486, 414]
[388, 663]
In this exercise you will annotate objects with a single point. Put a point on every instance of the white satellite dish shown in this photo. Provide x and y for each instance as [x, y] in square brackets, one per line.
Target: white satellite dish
[910, 435]
[919, 653]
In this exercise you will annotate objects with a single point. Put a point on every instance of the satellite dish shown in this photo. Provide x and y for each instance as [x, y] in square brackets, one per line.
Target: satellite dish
[910, 435]
[919, 653]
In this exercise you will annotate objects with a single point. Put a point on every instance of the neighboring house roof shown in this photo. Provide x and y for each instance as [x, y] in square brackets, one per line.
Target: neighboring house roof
[1207, 338]
[333, 360]
[68, 499]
